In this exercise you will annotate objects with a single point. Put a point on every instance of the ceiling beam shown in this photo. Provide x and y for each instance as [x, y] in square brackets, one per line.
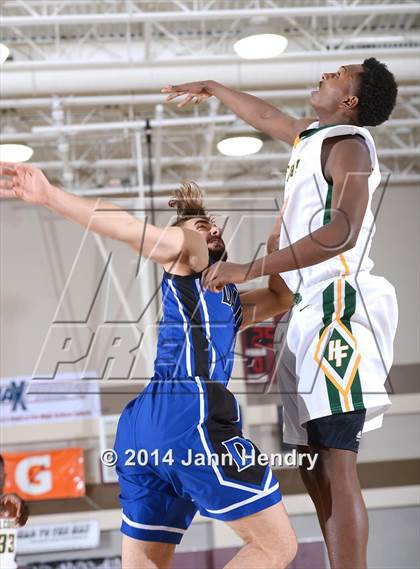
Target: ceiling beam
[131, 17]
[299, 69]
[189, 121]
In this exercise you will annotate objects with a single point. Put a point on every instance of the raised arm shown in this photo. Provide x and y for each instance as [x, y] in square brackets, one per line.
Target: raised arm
[258, 113]
[162, 245]
[349, 167]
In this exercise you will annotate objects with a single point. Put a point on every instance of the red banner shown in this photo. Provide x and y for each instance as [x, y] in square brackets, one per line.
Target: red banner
[45, 475]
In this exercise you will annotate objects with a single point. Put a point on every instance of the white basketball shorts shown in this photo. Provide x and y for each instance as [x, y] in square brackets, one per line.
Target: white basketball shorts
[337, 352]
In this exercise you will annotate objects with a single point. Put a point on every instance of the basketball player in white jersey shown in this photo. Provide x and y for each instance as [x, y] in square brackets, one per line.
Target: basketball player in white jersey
[339, 343]
[13, 514]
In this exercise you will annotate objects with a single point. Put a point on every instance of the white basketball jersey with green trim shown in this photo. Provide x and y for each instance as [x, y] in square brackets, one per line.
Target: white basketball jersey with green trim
[8, 534]
[339, 343]
[307, 203]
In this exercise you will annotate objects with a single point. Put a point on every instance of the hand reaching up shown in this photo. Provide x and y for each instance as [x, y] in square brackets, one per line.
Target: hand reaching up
[195, 92]
[24, 182]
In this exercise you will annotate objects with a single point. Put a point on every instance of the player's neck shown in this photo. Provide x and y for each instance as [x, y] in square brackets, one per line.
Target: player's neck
[331, 119]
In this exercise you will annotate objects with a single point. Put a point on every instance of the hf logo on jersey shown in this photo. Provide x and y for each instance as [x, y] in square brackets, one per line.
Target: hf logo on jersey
[340, 358]
[337, 352]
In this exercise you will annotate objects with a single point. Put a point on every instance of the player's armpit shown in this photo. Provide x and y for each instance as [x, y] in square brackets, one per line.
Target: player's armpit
[284, 127]
[263, 303]
[300, 125]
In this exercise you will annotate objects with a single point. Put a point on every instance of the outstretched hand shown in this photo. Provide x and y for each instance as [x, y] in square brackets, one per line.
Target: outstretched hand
[222, 273]
[195, 92]
[11, 505]
[23, 182]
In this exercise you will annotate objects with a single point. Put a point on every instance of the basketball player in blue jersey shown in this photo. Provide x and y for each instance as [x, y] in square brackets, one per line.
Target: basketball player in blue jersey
[331, 361]
[180, 445]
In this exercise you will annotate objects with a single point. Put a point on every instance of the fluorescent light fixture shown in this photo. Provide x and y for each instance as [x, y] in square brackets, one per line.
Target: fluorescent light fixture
[239, 145]
[15, 152]
[260, 46]
[4, 52]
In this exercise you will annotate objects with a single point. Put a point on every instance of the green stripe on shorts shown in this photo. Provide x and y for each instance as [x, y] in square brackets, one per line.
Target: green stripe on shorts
[328, 311]
[349, 310]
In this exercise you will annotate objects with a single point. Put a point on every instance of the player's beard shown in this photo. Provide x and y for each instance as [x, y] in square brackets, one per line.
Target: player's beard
[218, 254]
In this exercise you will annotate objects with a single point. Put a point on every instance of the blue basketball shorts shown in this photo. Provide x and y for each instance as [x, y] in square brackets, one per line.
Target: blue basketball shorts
[181, 450]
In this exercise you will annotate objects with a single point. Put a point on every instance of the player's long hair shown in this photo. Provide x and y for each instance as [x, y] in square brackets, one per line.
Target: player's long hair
[188, 202]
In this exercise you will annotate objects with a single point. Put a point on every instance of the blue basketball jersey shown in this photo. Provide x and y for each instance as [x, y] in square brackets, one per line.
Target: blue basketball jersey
[185, 422]
[197, 331]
